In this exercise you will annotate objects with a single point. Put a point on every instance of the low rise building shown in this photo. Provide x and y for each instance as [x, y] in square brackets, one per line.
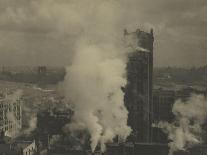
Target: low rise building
[18, 147]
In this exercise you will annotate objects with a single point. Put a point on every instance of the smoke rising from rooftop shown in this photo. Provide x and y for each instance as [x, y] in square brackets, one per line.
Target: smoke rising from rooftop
[93, 85]
[94, 80]
[187, 129]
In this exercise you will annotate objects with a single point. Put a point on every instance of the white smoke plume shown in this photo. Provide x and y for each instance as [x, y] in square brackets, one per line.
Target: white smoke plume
[93, 84]
[186, 130]
[97, 71]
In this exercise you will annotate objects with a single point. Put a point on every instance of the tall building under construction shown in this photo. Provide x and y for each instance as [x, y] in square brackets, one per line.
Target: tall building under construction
[138, 91]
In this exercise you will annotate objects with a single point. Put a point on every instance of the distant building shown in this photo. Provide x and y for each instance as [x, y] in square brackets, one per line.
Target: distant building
[10, 115]
[138, 91]
[36, 74]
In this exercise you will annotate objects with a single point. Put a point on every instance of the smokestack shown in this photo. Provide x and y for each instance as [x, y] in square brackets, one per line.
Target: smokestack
[94, 87]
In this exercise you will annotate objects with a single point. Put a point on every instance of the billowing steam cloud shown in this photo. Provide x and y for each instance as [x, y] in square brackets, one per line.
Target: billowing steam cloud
[186, 130]
[93, 84]
[97, 72]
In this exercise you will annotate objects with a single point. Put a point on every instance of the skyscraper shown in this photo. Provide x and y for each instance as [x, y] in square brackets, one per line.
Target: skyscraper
[138, 91]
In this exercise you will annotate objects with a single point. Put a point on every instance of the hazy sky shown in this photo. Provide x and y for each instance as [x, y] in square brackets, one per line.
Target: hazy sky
[45, 31]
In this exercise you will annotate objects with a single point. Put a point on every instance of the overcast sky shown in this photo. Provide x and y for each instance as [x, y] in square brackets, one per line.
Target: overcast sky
[45, 31]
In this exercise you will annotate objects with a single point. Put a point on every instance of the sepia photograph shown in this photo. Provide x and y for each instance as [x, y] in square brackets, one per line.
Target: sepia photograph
[103, 77]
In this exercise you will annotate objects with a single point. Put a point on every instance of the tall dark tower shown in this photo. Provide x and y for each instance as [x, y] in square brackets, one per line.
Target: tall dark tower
[138, 91]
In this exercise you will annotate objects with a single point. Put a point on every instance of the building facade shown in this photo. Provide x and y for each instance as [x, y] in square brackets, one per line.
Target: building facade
[10, 113]
[18, 148]
[138, 91]
[163, 101]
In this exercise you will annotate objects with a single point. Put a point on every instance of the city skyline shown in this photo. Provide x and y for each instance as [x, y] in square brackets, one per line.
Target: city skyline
[103, 77]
